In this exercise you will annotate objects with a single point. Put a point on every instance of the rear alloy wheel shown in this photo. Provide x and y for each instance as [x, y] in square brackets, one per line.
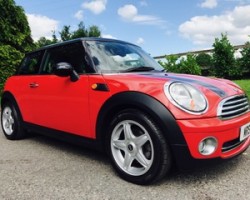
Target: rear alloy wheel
[11, 122]
[138, 149]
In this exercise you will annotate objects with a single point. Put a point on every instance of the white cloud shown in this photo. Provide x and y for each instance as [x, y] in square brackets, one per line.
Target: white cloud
[41, 26]
[95, 6]
[241, 16]
[140, 41]
[108, 36]
[79, 15]
[209, 4]
[202, 30]
[130, 13]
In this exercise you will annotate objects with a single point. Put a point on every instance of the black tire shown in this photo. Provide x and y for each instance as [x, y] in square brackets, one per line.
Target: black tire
[11, 122]
[138, 150]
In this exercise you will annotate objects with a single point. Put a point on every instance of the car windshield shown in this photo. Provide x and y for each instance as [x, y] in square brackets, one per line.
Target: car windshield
[115, 56]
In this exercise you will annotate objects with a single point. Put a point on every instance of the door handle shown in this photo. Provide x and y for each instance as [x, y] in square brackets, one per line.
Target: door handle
[34, 85]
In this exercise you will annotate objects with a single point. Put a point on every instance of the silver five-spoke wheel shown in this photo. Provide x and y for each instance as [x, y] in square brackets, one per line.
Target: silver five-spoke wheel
[138, 150]
[132, 147]
[8, 121]
[11, 122]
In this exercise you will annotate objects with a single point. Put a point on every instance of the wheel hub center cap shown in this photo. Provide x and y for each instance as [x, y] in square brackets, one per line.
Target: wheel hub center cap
[130, 147]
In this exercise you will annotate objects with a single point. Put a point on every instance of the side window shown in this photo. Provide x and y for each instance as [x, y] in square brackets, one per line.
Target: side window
[71, 53]
[31, 63]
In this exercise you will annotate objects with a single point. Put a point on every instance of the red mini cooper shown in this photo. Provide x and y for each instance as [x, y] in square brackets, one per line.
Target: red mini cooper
[112, 95]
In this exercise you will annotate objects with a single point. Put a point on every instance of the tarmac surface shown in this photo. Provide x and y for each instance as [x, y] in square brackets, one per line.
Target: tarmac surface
[39, 168]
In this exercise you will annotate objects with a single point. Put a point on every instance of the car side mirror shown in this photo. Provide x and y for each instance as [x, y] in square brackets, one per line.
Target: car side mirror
[64, 69]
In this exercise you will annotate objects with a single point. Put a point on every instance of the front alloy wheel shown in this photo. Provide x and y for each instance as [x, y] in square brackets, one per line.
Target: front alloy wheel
[138, 150]
[132, 147]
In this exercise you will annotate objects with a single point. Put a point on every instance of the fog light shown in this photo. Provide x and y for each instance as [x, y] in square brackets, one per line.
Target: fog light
[208, 146]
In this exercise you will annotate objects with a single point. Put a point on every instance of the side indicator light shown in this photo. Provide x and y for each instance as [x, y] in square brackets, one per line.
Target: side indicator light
[100, 87]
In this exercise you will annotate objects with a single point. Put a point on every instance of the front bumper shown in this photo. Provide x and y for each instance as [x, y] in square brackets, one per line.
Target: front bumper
[227, 133]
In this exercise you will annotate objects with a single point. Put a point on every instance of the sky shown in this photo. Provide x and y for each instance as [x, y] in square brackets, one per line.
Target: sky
[160, 27]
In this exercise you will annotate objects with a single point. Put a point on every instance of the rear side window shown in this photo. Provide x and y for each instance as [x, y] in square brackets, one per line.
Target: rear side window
[31, 63]
[71, 53]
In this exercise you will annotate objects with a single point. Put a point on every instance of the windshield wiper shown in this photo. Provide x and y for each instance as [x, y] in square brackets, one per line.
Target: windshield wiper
[139, 69]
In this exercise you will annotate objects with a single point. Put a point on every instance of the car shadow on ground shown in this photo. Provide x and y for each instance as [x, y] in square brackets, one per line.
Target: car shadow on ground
[88, 152]
[192, 176]
[209, 173]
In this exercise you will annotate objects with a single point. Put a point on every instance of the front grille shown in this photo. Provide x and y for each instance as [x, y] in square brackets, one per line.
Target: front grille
[233, 106]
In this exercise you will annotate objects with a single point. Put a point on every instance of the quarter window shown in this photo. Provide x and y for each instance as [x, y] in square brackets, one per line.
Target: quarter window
[31, 63]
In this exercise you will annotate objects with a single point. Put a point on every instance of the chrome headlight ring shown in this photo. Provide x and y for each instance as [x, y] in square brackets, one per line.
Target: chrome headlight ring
[186, 97]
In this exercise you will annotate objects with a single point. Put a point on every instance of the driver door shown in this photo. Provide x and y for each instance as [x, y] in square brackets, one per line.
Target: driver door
[58, 103]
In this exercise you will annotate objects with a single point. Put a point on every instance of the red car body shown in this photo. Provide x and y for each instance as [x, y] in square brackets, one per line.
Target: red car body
[85, 107]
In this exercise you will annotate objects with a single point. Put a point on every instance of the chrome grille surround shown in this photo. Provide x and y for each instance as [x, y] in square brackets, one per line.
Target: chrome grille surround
[233, 106]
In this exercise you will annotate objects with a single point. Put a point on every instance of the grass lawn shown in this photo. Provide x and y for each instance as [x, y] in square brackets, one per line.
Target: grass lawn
[245, 85]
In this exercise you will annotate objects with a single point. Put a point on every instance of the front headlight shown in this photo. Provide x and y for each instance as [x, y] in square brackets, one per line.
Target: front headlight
[186, 97]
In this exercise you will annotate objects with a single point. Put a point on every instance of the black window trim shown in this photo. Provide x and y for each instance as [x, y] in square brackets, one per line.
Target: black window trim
[89, 66]
[26, 55]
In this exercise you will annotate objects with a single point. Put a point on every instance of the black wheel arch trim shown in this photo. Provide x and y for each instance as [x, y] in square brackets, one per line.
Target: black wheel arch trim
[145, 103]
[7, 96]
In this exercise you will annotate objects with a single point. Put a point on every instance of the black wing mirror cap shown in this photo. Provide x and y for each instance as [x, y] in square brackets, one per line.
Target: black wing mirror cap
[63, 69]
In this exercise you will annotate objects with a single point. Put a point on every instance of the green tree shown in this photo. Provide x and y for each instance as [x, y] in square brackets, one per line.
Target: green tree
[204, 60]
[223, 58]
[171, 63]
[94, 31]
[15, 38]
[66, 34]
[43, 41]
[80, 32]
[189, 65]
[10, 58]
[244, 61]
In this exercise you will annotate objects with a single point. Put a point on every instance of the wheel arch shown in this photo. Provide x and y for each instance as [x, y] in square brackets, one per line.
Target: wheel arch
[145, 103]
[9, 97]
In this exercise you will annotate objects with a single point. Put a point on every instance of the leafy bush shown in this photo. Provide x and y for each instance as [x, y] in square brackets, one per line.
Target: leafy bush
[15, 38]
[171, 64]
[186, 65]
[189, 65]
[244, 61]
[10, 59]
[204, 60]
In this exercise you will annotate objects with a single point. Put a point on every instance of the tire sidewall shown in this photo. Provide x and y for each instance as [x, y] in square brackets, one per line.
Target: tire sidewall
[17, 132]
[158, 145]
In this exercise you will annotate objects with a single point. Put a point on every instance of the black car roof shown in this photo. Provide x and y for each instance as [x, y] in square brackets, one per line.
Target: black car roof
[78, 40]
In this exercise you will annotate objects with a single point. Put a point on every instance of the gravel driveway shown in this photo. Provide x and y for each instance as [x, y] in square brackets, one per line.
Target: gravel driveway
[43, 168]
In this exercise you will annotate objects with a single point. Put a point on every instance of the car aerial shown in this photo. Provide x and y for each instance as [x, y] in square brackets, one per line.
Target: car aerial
[112, 95]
